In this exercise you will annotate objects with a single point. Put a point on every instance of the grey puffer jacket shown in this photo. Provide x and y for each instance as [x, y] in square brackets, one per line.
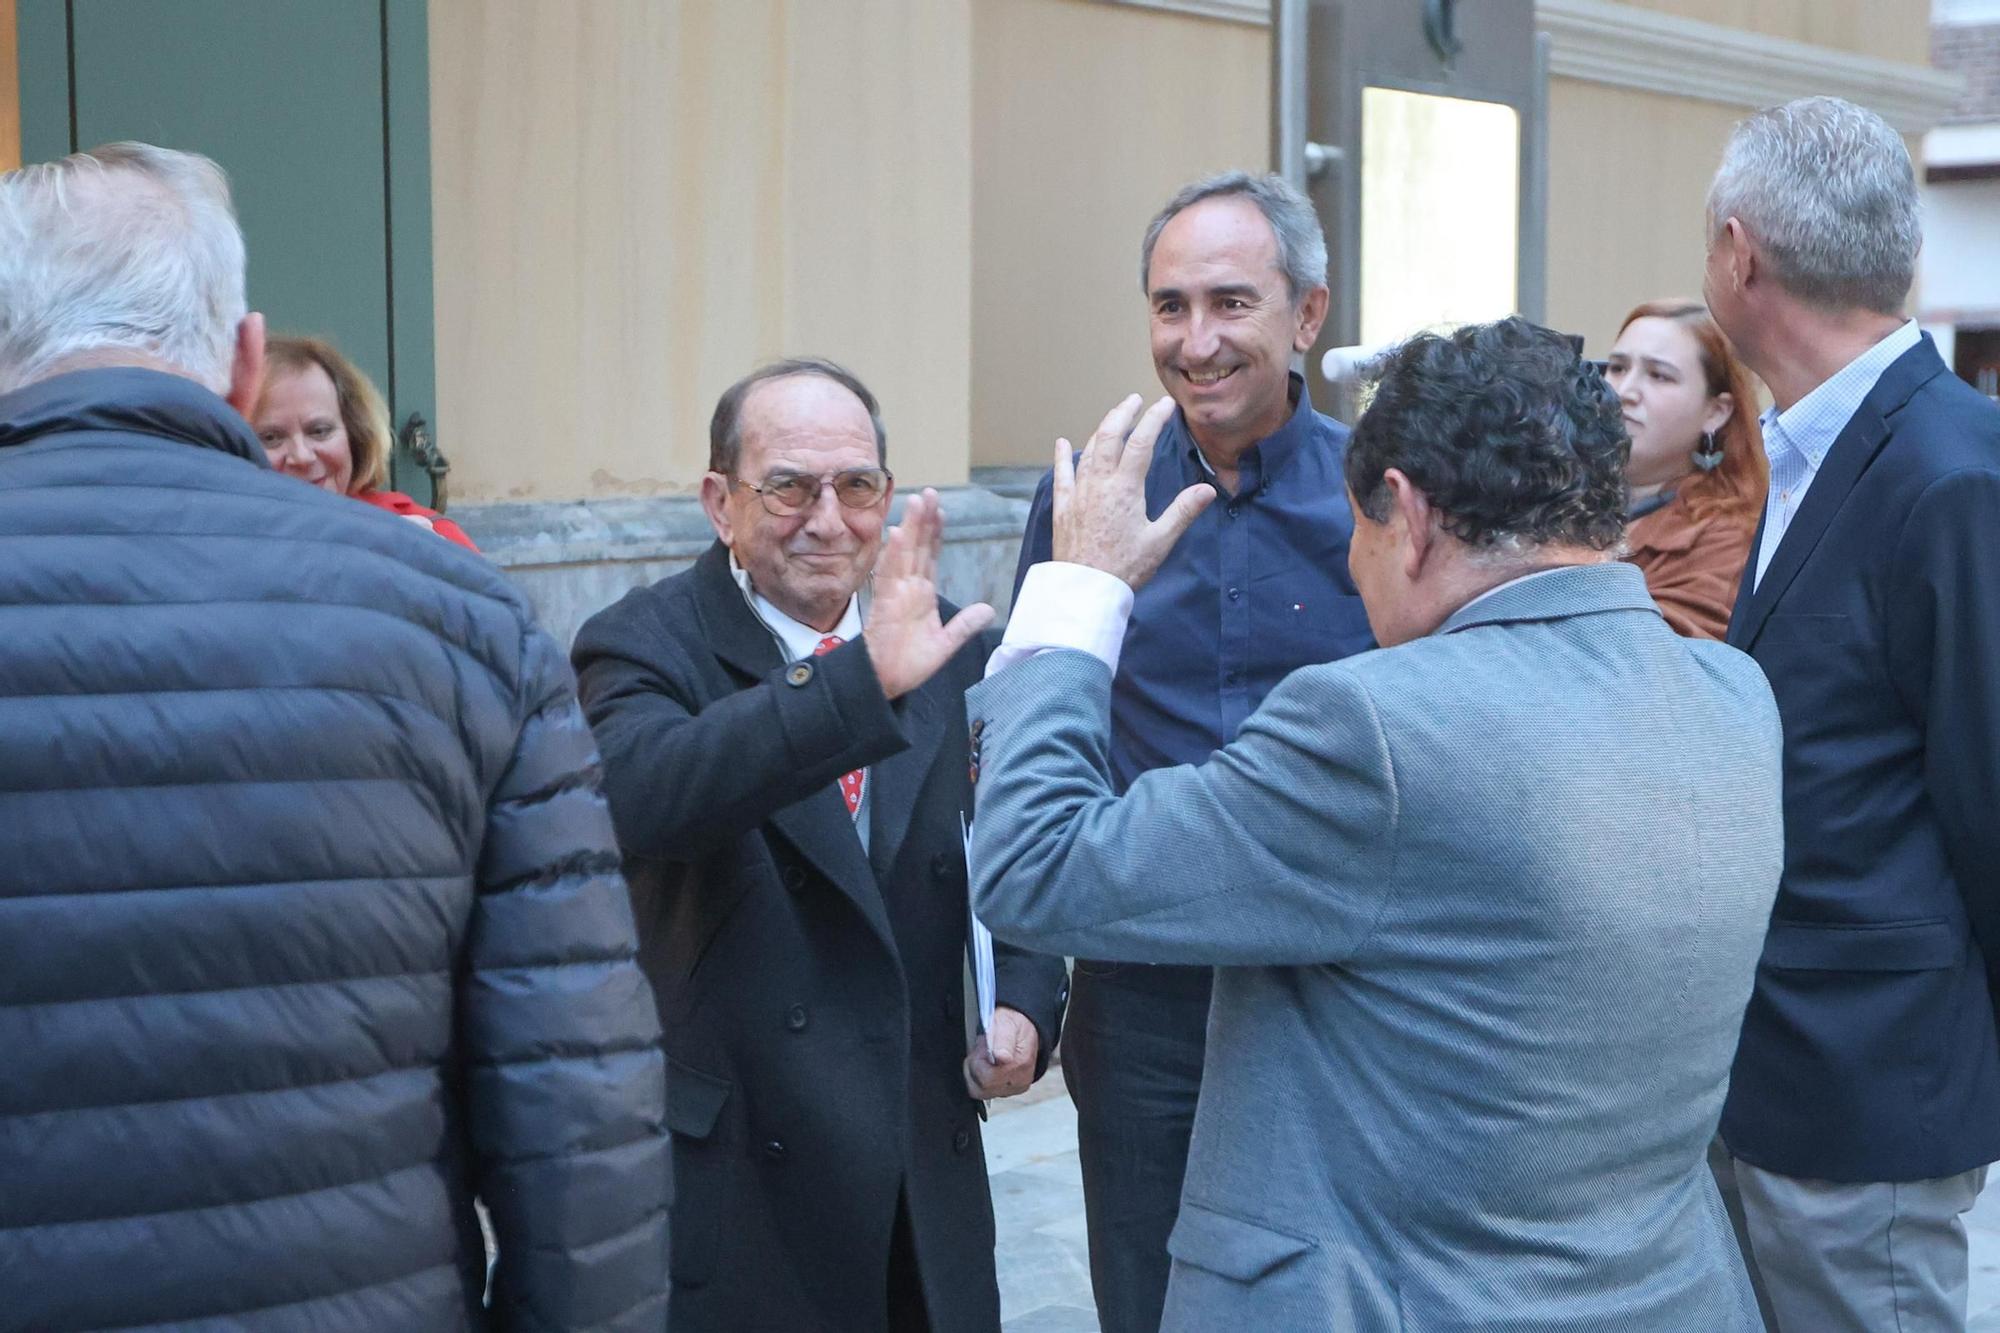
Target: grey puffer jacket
[311, 923]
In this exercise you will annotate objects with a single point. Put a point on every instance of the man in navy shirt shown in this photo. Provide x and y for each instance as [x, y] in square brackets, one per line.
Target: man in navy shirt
[1234, 270]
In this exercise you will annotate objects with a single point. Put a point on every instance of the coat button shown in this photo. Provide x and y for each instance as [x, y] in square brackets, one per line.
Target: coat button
[800, 673]
[795, 1018]
[951, 1003]
[795, 878]
[775, 1150]
[961, 1140]
[941, 866]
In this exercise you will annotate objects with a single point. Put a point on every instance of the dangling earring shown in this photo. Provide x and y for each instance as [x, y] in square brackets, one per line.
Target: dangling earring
[1709, 457]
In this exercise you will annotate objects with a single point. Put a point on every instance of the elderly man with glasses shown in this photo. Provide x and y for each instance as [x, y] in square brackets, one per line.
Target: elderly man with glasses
[788, 769]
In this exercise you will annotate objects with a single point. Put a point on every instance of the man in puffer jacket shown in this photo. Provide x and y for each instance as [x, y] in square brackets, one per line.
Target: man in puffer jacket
[311, 924]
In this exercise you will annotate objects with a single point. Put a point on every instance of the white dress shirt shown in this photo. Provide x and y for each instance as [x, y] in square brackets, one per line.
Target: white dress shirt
[1798, 439]
[799, 641]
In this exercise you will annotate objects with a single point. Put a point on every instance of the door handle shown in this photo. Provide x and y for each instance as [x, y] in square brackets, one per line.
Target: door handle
[423, 450]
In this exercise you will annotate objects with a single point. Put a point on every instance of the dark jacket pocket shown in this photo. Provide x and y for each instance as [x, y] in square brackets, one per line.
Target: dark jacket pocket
[1896, 946]
[1231, 1246]
[1785, 628]
[702, 1173]
[694, 1100]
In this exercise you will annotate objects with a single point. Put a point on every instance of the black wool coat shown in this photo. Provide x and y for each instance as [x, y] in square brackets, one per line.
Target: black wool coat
[811, 993]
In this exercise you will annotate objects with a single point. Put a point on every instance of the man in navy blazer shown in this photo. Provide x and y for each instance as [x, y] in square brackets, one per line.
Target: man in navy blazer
[1865, 1099]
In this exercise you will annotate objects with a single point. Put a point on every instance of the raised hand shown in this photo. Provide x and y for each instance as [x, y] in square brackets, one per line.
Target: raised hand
[907, 641]
[1100, 500]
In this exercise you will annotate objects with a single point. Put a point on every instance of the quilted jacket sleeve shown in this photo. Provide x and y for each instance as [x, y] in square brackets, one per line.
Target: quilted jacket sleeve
[565, 1077]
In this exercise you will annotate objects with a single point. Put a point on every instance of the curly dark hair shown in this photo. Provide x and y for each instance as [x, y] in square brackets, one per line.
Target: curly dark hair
[1512, 437]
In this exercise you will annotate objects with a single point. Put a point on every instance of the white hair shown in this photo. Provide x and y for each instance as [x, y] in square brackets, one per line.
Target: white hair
[126, 248]
[1827, 189]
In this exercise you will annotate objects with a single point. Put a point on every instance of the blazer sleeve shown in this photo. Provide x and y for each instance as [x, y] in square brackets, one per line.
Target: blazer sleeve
[684, 778]
[1278, 850]
[565, 1078]
[1944, 653]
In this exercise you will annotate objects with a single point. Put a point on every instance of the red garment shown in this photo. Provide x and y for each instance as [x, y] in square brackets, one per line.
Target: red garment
[398, 503]
[850, 783]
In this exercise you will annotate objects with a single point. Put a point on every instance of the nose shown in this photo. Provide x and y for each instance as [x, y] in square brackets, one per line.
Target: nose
[1625, 383]
[1202, 340]
[291, 452]
[823, 518]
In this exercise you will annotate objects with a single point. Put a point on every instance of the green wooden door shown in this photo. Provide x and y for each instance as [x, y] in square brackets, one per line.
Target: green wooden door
[319, 112]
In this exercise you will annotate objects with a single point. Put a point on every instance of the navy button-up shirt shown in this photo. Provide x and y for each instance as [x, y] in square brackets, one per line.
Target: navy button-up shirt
[1256, 589]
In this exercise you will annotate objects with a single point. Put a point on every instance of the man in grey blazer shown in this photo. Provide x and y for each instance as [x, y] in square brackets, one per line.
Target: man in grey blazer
[1486, 903]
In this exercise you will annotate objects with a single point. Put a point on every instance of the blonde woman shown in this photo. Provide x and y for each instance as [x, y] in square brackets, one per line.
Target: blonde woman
[323, 422]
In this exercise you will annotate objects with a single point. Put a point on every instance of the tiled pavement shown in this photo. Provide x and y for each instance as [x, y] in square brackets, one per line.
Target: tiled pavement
[1038, 1206]
[1038, 1211]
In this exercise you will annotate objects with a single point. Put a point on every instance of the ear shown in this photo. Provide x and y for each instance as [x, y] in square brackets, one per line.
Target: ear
[1410, 512]
[246, 366]
[1742, 254]
[1720, 409]
[715, 503]
[1311, 315]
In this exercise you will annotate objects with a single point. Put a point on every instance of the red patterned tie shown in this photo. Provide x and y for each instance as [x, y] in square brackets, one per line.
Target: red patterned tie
[850, 783]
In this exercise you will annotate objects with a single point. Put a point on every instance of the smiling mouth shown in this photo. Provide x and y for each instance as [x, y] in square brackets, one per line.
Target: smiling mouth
[1203, 379]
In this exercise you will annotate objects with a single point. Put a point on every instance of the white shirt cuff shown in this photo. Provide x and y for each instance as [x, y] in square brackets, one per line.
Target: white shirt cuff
[1066, 606]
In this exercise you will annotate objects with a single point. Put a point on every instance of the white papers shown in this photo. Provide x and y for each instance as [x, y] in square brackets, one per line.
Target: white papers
[982, 948]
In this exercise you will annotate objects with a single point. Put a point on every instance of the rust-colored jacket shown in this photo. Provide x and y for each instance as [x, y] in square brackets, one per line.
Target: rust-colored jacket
[1692, 566]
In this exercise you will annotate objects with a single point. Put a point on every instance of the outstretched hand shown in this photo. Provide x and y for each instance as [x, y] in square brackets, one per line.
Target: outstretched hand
[1100, 499]
[907, 640]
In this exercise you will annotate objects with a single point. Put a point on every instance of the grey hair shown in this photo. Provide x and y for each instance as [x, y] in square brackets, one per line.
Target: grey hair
[725, 424]
[1301, 242]
[1827, 189]
[125, 248]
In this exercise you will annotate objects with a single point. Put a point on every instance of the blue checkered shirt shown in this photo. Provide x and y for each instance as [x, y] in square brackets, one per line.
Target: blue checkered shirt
[1797, 439]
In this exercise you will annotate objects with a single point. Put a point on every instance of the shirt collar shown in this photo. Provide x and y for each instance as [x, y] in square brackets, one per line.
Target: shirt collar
[799, 640]
[1262, 460]
[1502, 587]
[1811, 425]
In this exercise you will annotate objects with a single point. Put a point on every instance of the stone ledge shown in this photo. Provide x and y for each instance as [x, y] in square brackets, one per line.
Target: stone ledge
[534, 534]
[573, 558]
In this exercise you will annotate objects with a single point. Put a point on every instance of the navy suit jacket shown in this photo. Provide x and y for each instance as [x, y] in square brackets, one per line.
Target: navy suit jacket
[1869, 1050]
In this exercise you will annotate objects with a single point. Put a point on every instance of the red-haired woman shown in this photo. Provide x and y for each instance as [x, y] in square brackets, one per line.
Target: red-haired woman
[1698, 474]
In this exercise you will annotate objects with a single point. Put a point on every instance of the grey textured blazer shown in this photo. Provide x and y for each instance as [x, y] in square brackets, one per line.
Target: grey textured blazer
[1486, 909]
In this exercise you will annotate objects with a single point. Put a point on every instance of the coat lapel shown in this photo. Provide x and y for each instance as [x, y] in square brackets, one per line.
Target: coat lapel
[819, 826]
[1853, 450]
[896, 784]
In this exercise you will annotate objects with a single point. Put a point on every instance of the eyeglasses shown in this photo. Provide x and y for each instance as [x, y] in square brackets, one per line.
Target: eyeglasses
[787, 493]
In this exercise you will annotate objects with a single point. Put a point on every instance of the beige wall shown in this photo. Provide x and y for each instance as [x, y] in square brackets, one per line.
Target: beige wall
[1085, 117]
[637, 200]
[1629, 170]
[1628, 182]
[1885, 29]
